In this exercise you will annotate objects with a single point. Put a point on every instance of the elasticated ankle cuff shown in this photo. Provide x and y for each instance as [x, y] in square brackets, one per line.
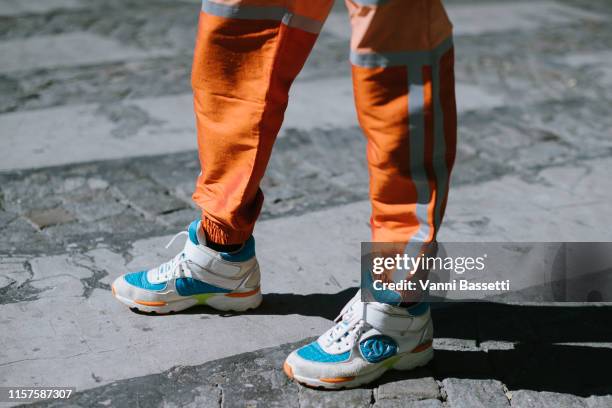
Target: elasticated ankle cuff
[223, 235]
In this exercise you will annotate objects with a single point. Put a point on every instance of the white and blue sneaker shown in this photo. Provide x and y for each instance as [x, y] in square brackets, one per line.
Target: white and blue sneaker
[368, 339]
[198, 275]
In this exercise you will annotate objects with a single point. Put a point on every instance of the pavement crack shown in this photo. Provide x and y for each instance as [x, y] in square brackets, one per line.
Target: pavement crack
[373, 392]
[24, 292]
[172, 210]
[27, 265]
[221, 395]
[443, 395]
[92, 282]
[299, 397]
[9, 363]
[507, 393]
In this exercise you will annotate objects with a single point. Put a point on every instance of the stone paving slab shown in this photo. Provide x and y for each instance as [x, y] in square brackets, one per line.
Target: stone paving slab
[475, 393]
[532, 399]
[414, 389]
[20, 7]
[518, 16]
[256, 379]
[165, 125]
[409, 404]
[78, 48]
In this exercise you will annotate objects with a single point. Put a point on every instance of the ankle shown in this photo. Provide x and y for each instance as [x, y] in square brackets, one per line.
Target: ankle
[223, 247]
[215, 246]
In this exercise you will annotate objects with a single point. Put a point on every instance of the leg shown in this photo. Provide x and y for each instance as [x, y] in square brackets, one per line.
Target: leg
[404, 93]
[247, 54]
[403, 80]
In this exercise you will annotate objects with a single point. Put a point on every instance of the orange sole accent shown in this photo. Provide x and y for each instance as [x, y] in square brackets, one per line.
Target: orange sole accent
[287, 369]
[113, 290]
[147, 303]
[243, 294]
[336, 379]
[422, 347]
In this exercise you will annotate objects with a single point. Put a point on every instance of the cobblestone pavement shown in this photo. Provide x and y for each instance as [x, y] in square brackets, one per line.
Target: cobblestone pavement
[97, 165]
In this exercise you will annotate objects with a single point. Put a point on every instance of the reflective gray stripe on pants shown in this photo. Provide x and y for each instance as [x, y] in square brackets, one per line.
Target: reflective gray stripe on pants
[371, 2]
[262, 13]
[418, 172]
[303, 23]
[439, 150]
[410, 58]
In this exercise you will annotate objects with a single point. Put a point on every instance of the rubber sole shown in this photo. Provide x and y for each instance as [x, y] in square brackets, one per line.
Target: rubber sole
[407, 361]
[225, 302]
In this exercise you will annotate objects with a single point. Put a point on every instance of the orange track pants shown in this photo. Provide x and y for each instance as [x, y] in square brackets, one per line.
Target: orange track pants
[248, 53]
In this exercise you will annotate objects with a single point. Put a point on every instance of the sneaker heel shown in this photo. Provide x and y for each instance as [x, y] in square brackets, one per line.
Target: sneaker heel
[415, 359]
[230, 303]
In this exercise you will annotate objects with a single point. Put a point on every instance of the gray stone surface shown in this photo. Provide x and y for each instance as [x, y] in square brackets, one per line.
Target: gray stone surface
[532, 399]
[415, 388]
[256, 379]
[599, 402]
[430, 403]
[474, 393]
[308, 398]
[250, 380]
[101, 92]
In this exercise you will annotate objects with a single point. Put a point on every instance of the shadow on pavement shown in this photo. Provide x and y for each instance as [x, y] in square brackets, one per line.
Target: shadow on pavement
[326, 305]
[565, 349]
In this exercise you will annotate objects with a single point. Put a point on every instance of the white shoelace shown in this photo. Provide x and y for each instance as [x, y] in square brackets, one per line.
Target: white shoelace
[174, 268]
[348, 328]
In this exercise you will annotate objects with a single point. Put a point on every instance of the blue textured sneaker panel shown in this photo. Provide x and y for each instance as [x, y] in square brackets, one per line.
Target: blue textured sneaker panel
[190, 286]
[139, 279]
[314, 352]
